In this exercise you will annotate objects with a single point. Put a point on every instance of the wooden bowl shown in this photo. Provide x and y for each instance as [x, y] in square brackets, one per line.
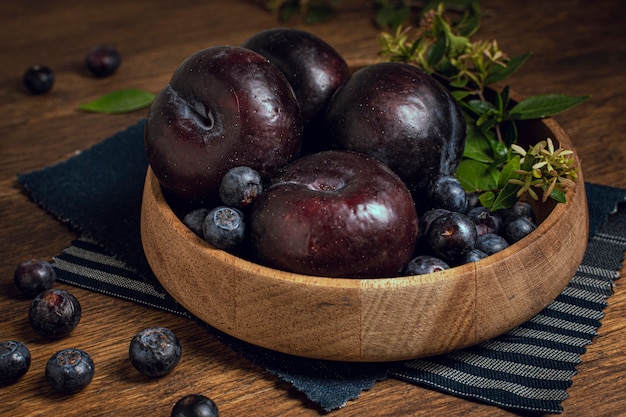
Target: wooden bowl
[366, 320]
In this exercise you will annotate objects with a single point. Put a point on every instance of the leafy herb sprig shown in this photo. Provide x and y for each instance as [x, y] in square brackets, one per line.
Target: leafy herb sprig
[493, 164]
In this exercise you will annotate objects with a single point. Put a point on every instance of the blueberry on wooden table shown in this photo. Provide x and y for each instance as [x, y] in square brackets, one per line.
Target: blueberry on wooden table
[34, 276]
[103, 60]
[195, 405]
[54, 313]
[70, 370]
[38, 79]
[14, 361]
[155, 351]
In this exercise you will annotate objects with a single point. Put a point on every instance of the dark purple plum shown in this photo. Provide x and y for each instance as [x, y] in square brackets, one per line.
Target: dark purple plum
[14, 361]
[34, 276]
[452, 236]
[195, 405]
[103, 60]
[400, 115]
[335, 213]
[223, 107]
[155, 351]
[54, 313]
[314, 69]
[70, 370]
[425, 264]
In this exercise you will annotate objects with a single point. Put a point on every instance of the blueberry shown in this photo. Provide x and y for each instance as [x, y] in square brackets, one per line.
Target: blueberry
[70, 370]
[38, 79]
[486, 221]
[474, 255]
[447, 192]
[155, 351]
[240, 186]
[14, 361]
[195, 405]
[195, 219]
[473, 200]
[34, 276]
[425, 264]
[427, 218]
[516, 229]
[54, 313]
[452, 236]
[491, 243]
[224, 227]
[103, 60]
[519, 209]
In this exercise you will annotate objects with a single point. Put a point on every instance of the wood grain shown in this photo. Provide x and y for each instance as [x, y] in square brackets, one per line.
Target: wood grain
[579, 47]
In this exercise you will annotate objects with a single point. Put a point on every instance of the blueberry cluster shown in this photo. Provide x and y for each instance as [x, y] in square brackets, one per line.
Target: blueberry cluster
[101, 61]
[54, 313]
[224, 226]
[456, 229]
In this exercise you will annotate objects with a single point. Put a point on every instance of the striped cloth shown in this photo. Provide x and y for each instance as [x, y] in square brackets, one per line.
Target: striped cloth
[527, 369]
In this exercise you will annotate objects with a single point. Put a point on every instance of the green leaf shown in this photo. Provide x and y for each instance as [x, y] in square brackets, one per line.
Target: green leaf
[506, 198]
[477, 146]
[392, 16]
[461, 94]
[437, 51]
[499, 73]
[508, 171]
[318, 13]
[546, 105]
[558, 195]
[120, 101]
[477, 176]
[487, 199]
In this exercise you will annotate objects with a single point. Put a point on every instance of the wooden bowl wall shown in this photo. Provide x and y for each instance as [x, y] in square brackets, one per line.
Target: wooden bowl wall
[369, 319]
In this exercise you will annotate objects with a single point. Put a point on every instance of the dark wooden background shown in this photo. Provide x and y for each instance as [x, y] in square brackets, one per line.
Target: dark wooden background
[579, 47]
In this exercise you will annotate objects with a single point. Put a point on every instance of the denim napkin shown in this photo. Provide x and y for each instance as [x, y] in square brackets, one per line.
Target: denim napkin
[529, 369]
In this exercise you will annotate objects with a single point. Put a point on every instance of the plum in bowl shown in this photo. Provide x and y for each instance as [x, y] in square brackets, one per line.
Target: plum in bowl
[375, 319]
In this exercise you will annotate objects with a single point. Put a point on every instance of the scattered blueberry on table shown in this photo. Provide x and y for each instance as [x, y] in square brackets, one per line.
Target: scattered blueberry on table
[34, 276]
[195, 405]
[155, 351]
[70, 370]
[14, 361]
[54, 313]
[38, 79]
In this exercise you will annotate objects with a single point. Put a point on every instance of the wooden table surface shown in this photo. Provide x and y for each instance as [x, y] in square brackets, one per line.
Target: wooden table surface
[579, 48]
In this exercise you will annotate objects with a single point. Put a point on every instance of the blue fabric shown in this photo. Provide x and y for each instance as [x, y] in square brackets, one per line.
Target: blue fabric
[98, 192]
